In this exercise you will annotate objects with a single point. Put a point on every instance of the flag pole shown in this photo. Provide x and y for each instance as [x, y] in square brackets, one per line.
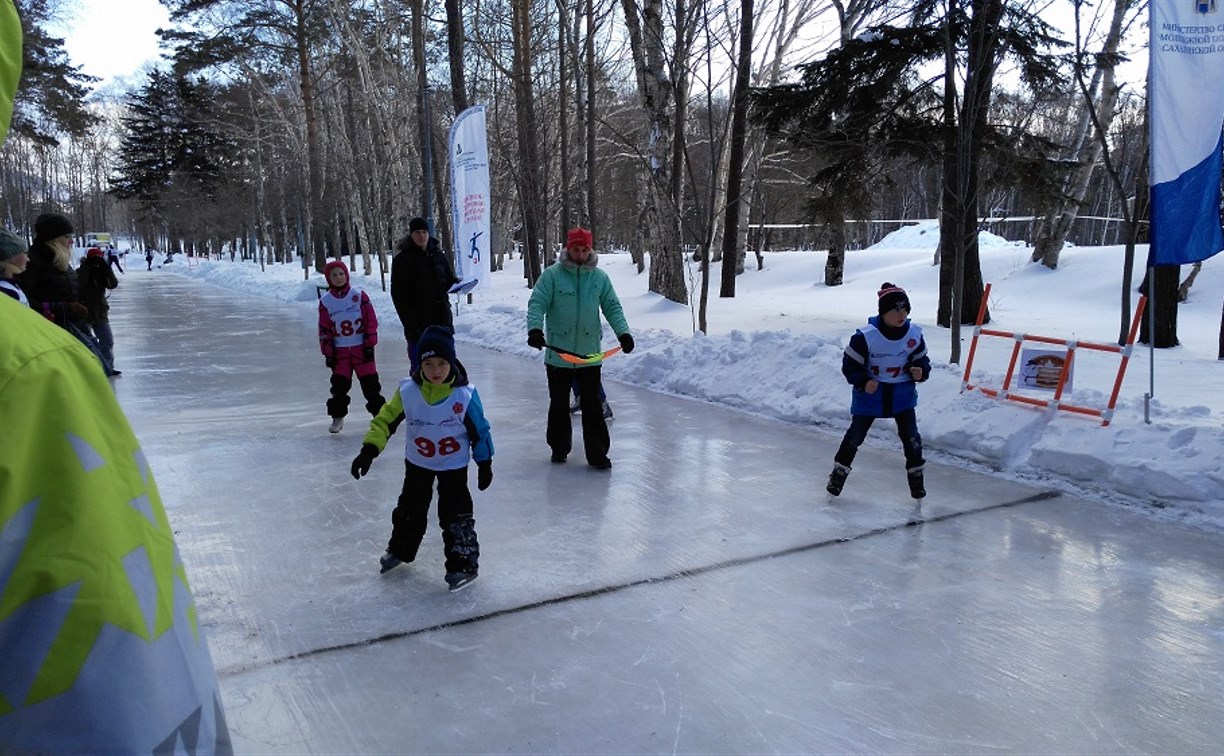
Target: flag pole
[1151, 315]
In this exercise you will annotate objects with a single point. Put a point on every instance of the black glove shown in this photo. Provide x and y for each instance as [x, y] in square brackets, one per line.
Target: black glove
[535, 338]
[484, 474]
[626, 341]
[361, 465]
[368, 353]
[330, 362]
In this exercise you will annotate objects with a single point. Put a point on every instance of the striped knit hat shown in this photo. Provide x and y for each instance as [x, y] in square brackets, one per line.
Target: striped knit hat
[892, 297]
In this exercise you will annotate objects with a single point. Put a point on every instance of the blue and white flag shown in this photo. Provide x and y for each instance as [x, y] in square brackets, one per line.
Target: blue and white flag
[469, 166]
[1186, 96]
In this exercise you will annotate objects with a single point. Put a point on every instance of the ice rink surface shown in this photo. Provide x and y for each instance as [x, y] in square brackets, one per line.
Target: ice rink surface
[704, 596]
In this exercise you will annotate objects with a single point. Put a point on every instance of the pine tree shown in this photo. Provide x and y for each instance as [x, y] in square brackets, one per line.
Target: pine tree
[872, 103]
[172, 160]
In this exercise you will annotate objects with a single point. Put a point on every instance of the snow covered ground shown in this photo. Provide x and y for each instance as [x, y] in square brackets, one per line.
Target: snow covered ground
[775, 350]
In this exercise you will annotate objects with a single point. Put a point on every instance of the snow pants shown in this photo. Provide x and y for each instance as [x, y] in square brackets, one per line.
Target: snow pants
[560, 433]
[907, 430]
[350, 360]
[410, 517]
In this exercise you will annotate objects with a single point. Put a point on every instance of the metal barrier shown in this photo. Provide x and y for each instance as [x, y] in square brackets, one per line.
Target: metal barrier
[1071, 345]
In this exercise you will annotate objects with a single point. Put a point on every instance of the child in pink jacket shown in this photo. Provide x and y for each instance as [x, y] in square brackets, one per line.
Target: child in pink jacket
[348, 331]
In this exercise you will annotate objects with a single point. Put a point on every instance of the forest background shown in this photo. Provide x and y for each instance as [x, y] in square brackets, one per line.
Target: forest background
[293, 131]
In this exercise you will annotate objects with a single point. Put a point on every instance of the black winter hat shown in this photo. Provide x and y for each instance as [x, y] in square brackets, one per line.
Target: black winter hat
[437, 341]
[417, 224]
[892, 297]
[51, 226]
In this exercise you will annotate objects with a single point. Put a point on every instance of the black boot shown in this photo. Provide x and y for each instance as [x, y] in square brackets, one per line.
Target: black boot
[914, 476]
[837, 479]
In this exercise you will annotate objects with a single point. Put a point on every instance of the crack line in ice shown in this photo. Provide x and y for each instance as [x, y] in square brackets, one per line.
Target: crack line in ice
[678, 574]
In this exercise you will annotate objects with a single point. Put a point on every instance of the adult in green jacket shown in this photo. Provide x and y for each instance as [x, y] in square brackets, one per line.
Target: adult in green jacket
[563, 312]
[100, 639]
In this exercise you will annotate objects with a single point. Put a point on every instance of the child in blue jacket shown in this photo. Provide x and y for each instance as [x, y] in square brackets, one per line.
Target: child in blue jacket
[445, 426]
[883, 362]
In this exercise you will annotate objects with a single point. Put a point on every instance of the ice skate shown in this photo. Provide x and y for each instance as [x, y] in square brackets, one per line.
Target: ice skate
[916, 485]
[388, 562]
[607, 410]
[337, 424]
[574, 406]
[837, 479]
[457, 581]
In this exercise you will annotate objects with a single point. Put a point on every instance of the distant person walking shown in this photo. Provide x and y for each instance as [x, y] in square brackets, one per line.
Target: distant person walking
[883, 362]
[112, 257]
[149, 259]
[563, 312]
[421, 278]
[348, 333]
[95, 279]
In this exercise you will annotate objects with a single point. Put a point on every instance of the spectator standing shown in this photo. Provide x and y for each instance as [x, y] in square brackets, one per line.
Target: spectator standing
[95, 279]
[101, 649]
[566, 303]
[14, 254]
[421, 278]
[51, 284]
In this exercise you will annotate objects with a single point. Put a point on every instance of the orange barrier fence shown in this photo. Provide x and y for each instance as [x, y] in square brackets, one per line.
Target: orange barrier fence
[1106, 414]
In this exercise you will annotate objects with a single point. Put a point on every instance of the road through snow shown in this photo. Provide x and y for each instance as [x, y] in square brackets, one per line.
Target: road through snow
[705, 595]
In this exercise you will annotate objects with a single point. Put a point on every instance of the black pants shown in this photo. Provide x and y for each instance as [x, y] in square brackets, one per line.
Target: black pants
[410, 517]
[371, 389]
[560, 436]
[907, 429]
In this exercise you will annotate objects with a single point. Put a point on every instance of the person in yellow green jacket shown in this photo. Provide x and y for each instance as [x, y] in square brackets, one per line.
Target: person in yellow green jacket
[99, 635]
[10, 63]
[445, 428]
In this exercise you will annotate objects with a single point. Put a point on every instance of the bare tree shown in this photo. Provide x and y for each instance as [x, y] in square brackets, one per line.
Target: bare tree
[530, 194]
[1101, 96]
[739, 118]
[660, 218]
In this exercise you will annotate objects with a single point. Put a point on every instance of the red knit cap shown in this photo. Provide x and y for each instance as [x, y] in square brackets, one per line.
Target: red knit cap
[94, 252]
[579, 237]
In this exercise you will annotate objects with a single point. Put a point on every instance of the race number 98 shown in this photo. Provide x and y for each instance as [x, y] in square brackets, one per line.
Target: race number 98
[426, 447]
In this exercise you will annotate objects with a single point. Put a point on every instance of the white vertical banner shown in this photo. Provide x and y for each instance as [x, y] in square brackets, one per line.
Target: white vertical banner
[469, 168]
[1186, 101]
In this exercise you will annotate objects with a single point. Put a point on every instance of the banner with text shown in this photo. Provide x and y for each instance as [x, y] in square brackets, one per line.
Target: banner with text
[1187, 112]
[469, 167]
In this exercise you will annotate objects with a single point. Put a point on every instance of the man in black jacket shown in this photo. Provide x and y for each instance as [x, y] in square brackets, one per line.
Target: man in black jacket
[421, 278]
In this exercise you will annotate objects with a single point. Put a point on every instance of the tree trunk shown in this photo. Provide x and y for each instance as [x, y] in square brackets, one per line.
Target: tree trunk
[418, 64]
[1057, 225]
[528, 150]
[1162, 299]
[975, 107]
[660, 215]
[591, 184]
[314, 188]
[454, 50]
[566, 219]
